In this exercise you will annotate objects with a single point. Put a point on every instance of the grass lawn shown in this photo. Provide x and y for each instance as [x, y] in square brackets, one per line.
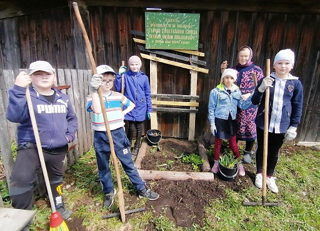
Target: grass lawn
[298, 179]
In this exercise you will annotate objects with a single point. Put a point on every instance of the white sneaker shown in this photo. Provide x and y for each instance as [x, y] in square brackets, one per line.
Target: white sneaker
[241, 170]
[271, 183]
[258, 181]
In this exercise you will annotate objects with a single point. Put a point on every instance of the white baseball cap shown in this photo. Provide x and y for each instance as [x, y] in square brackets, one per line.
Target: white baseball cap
[41, 66]
[105, 69]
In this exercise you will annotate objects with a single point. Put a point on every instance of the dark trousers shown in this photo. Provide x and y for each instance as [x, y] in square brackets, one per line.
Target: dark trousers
[275, 142]
[122, 151]
[135, 126]
[24, 174]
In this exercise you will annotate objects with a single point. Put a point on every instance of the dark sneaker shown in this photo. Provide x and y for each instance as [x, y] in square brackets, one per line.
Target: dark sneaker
[109, 199]
[65, 213]
[147, 193]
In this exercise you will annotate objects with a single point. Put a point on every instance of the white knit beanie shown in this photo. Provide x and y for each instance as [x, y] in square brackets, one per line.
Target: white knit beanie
[229, 72]
[285, 54]
[135, 59]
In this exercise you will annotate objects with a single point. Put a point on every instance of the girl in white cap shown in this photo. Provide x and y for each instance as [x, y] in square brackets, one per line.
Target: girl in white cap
[223, 103]
[285, 110]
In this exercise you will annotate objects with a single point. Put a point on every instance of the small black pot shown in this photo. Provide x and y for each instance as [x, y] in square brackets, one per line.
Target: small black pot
[227, 173]
[153, 136]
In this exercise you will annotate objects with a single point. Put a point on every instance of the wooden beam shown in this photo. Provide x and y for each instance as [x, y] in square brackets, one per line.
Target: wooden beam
[175, 96]
[203, 153]
[173, 63]
[170, 175]
[190, 52]
[175, 110]
[175, 103]
[174, 56]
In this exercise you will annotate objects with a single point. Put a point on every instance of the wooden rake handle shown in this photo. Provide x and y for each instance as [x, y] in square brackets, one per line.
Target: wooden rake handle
[265, 137]
[39, 147]
[113, 155]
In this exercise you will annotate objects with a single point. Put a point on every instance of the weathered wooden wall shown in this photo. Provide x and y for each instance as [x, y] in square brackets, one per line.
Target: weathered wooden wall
[54, 36]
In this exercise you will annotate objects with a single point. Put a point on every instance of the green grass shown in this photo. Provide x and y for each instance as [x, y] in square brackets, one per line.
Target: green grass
[298, 179]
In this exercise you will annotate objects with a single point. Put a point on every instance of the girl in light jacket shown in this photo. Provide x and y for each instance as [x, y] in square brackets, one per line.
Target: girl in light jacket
[223, 103]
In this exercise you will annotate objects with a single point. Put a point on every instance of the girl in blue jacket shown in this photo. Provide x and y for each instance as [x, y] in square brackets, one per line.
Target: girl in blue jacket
[223, 103]
[285, 110]
[137, 90]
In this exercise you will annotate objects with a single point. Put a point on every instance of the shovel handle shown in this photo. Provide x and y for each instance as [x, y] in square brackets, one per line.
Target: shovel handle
[265, 136]
[105, 118]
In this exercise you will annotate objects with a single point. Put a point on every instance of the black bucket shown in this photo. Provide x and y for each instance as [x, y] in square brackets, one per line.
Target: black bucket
[153, 136]
[227, 173]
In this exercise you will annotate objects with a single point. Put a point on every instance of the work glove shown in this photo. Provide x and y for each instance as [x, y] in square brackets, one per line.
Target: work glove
[290, 134]
[266, 82]
[213, 129]
[148, 115]
[122, 70]
[96, 82]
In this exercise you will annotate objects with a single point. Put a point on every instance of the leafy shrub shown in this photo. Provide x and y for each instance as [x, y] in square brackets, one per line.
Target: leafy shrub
[193, 159]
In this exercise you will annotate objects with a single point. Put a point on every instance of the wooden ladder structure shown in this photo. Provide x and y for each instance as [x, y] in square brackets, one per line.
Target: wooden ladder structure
[157, 99]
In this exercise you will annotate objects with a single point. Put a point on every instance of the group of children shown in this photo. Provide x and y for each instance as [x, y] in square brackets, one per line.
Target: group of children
[285, 110]
[231, 103]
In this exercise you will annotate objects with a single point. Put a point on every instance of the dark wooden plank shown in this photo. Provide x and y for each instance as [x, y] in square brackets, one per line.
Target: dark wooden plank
[171, 55]
[174, 110]
[175, 96]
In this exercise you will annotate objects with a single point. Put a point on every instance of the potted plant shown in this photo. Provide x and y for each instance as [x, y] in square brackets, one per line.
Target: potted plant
[228, 167]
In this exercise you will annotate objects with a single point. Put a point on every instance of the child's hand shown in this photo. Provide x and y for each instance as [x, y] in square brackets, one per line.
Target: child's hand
[23, 79]
[266, 82]
[224, 65]
[96, 82]
[122, 70]
[246, 96]
[213, 129]
[290, 134]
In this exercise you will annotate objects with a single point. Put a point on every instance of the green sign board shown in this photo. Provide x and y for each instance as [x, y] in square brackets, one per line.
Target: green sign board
[172, 30]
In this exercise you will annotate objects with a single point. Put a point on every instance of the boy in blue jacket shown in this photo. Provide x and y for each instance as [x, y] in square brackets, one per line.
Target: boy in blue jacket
[57, 124]
[137, 90]
[285, 110]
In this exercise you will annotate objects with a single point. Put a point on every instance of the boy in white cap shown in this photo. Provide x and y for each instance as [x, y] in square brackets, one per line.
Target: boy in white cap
[57, 124]
[113, 100]
[285, 110]
[137, 90]
[223, 103]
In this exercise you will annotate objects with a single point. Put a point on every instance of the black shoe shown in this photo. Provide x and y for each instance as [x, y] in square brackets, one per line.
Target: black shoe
[147, 193]
[65, 213]
[109, 199]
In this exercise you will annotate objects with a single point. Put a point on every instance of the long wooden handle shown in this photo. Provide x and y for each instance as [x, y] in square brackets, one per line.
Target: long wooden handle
[39, 147]
[122, 80]
[265, 137]
[113, 155]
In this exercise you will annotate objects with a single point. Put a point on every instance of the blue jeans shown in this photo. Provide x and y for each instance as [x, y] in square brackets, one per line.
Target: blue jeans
[122, 151]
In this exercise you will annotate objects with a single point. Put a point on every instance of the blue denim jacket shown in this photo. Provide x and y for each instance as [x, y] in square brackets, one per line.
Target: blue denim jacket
[221, 103]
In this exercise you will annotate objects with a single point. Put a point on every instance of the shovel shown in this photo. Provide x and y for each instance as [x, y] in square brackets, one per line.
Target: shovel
[265, 148]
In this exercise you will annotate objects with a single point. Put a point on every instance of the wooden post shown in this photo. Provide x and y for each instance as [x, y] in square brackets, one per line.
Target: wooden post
[153, 88]
[193, 92]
